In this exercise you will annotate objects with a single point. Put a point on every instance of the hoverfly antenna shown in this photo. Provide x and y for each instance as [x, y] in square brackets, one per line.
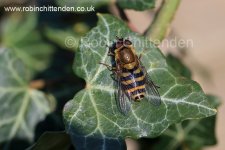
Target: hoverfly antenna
[119, 39]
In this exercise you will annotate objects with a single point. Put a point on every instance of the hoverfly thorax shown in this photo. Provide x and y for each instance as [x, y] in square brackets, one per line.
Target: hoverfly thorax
[126, 56]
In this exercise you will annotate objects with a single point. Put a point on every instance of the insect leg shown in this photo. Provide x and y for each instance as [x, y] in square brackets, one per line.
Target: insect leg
[113, 76]
[110, 54]
[142, 53]
[108, 66]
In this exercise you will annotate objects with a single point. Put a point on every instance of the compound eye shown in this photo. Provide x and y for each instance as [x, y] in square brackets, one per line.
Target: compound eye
[127, 42]
[119, 44]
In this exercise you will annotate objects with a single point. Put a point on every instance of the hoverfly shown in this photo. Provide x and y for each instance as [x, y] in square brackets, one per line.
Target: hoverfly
[132, 79]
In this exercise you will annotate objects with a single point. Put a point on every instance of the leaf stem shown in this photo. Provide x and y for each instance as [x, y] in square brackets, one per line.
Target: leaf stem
[37, 84]
[43, 83]
[158, 29]
[124, 17]
[122, 13]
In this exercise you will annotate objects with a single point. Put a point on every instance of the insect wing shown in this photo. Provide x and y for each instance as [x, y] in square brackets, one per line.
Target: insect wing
[123, 99]
[152, 93]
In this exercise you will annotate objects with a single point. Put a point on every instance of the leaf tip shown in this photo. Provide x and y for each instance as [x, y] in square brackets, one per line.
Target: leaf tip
[215, 111]
[102, 15]
[99, 15]
[212, 112]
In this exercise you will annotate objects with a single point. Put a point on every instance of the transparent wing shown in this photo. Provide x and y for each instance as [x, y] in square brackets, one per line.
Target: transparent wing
[123, 99]
[152, 93]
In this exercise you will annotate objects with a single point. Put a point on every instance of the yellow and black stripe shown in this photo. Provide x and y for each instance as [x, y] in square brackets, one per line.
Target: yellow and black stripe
[133, 83]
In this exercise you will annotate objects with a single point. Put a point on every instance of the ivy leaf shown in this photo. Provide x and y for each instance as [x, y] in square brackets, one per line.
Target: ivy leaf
[21, 107]
[20, 33]
[86, 4]
[191, 134]
[93, 112]
[52, 140]
[137, 4]
[177, 65]
[90, 142]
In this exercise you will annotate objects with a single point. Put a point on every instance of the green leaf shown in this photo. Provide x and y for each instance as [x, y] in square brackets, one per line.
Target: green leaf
[177, 65]
[93, 111]
[52, 141]
[82, 3]
[20, 34]
[191, 134]
[93, 143]
[137, 4]
[21, 107]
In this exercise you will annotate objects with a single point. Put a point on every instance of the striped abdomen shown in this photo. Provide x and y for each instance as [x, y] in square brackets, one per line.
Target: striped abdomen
[133, 83]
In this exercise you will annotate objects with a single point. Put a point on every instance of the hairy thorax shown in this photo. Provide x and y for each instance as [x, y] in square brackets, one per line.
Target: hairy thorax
[126, 56]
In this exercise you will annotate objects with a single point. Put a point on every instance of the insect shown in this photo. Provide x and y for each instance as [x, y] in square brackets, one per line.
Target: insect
[132, 79]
